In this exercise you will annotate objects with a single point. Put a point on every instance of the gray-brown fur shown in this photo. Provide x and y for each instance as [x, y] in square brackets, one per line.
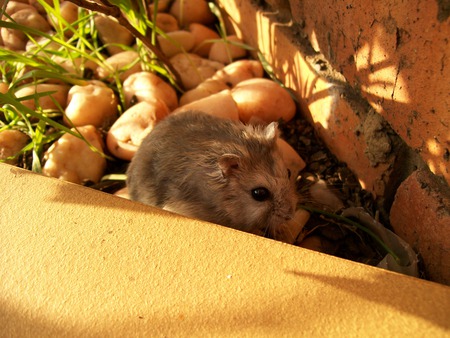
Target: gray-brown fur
[206, 167]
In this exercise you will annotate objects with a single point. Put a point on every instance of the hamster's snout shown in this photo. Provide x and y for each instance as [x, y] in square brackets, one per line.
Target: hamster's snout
[286, 213]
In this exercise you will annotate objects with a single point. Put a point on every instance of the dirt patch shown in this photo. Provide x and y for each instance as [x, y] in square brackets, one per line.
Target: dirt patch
[327, 234]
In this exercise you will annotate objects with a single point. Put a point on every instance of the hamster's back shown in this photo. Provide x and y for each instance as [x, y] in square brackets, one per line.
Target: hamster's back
[171, 152]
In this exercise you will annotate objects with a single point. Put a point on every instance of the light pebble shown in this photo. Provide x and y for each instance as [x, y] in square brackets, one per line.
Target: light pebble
[45, 102]
[225, 78]
[227, 51]
[239, 71]
[69, 14]
[189, 11]
[202, 37]
[204, 89]
[147, 86]
[11, 142]
[15, 6]
[16, 39]
[263, 99]
[39, 7]
[119, 63]
[94, 104]
[71, 159]
[176, 42]
[163, 6]
[194, 69]
[167, 22]
[111, 33]
[291, 158]
[127, 133]
[41, 45]
[220, 104]
[78, 65]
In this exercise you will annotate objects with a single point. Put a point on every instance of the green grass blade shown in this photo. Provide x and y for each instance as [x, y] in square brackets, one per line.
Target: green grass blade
[9, 99]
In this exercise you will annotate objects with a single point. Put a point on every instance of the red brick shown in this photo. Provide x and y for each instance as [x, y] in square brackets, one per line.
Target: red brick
[420, 215]
[337, 125]
[396, 54]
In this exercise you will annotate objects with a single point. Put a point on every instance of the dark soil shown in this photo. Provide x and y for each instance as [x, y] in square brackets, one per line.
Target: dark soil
[331, 236]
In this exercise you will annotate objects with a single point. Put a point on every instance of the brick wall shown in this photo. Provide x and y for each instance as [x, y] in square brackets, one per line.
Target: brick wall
[374, 80]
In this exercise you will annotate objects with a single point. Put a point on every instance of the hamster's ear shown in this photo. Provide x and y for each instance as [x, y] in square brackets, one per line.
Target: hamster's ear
[271, 131]
[229, 164]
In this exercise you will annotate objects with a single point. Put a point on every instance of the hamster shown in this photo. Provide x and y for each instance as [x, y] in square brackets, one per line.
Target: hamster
[214, 169]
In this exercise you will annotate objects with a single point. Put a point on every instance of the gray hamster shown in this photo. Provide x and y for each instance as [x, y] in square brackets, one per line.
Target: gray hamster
[214, 169]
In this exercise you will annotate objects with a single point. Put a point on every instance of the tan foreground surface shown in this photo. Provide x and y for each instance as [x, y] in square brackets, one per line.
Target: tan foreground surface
[77, 262]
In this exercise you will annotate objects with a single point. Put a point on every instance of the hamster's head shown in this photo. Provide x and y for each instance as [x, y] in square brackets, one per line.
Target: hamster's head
[257, 194]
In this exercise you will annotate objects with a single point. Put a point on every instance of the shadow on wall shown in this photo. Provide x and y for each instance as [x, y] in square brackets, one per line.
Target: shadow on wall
[396, 56]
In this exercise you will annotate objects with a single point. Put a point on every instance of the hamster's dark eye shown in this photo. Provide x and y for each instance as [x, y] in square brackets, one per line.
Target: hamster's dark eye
[260, 194]
[289, 173]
